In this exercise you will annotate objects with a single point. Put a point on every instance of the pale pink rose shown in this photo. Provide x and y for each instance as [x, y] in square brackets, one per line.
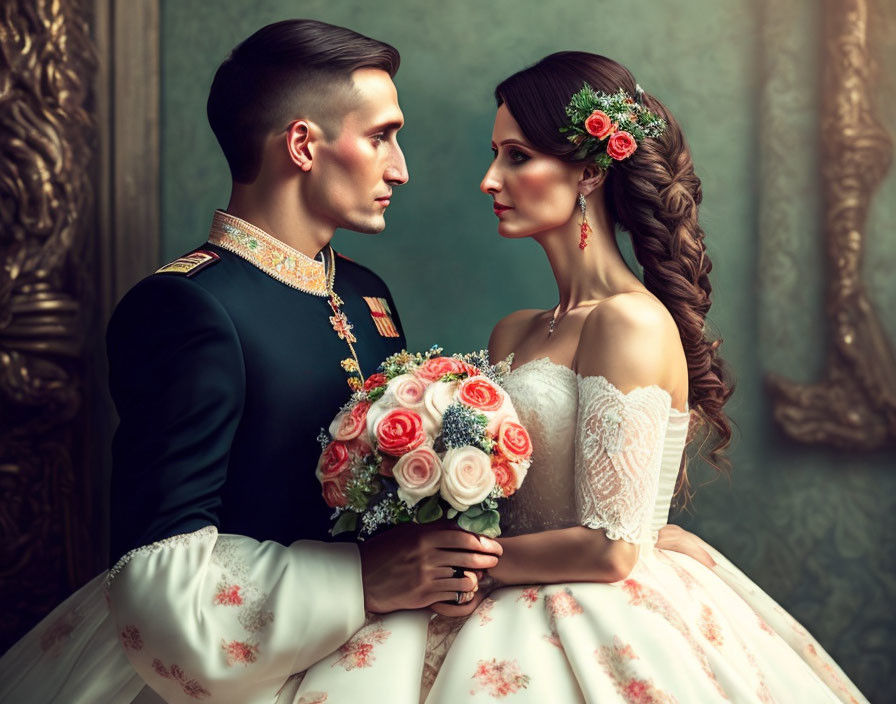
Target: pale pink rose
[348, 425]
[467, 477]
[405, 390]
[418, 474]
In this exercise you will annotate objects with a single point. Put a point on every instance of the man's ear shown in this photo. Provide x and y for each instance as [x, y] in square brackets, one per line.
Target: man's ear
[298, 136]
[593, 177]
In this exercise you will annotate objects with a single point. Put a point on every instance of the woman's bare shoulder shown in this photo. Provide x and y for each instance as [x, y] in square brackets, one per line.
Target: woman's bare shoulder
[632, 340]
[509, 331]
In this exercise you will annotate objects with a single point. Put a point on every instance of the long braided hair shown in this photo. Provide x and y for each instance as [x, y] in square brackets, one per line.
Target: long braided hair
[653, 195]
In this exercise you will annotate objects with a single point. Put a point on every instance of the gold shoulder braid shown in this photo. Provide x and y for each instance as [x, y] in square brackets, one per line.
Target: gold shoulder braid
[289, 266]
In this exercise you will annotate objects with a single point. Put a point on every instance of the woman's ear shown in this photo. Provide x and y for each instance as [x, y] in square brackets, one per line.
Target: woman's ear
[593, 177]
[298, 135]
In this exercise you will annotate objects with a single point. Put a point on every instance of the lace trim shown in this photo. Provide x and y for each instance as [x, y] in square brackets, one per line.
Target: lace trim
[548, 362]
[172, 541]
[275, 258]
[619, 456]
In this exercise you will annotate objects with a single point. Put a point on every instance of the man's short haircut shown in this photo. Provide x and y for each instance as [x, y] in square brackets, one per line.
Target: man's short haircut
[285, 71]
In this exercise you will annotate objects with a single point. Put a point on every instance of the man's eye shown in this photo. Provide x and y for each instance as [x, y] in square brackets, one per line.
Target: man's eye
[379, 138]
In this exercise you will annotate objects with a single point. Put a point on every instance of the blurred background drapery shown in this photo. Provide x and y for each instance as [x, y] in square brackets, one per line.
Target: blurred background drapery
[109, 169]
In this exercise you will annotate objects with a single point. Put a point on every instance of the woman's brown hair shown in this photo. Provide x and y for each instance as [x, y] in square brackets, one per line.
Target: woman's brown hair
[653, 195]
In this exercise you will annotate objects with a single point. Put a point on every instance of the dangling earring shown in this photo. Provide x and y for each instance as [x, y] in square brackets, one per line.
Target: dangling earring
[585, 230]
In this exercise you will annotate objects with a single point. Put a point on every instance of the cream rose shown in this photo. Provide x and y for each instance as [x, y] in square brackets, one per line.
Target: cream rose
[439, 395]
[418, 474]
[496, 418]
[467, 477]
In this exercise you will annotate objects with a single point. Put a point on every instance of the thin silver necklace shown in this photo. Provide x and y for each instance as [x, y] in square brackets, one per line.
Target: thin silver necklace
[554, 319]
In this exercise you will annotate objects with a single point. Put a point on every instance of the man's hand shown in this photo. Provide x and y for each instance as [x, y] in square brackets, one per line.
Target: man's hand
[676, 538]
[412, 566]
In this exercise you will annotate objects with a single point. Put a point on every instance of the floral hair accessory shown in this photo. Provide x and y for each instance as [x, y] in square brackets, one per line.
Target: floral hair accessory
[609, 128]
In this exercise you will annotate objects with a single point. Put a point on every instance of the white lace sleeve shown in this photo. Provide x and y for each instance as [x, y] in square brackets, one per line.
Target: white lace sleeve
[619, 442]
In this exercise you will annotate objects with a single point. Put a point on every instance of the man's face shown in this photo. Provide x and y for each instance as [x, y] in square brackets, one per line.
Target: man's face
[352, 175]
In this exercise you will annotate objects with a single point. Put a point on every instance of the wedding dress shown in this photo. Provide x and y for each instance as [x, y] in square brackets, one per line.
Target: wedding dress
[672, 631]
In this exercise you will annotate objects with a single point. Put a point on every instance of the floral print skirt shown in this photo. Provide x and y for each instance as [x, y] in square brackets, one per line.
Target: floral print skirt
[673, 631]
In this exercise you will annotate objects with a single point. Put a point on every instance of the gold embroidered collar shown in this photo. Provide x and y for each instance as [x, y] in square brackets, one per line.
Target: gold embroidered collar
[273, 257]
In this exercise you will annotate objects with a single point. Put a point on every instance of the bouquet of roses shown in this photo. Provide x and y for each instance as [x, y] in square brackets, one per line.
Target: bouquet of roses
[427, 436]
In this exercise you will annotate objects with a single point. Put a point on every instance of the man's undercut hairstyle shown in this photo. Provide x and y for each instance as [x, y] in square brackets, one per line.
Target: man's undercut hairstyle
[286, 71]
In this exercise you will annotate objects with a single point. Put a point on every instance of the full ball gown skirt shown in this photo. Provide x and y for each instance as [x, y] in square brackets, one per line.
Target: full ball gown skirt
[672, 631]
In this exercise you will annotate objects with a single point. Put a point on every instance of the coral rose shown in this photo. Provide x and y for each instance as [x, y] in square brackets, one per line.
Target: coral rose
[621, 145]
[333, 490]
[400, 431]
[374, 381]
[418, 474]
[348, 425]
[513, 442]
[467, 477]
[335, 459]
[481, 394]
[504, 476]
[437, 367]
[599, 124]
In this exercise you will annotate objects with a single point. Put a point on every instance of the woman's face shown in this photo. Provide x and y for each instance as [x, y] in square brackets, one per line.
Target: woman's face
[533, 192]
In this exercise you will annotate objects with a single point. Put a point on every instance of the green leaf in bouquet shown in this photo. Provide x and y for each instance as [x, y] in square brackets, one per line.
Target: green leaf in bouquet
[430, 510]
[376, 394]
[347, 521]
[474, 511]
[487, 523]
[451, 513]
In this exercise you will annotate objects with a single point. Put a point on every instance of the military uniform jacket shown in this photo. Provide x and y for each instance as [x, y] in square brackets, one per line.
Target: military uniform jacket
[224, 367]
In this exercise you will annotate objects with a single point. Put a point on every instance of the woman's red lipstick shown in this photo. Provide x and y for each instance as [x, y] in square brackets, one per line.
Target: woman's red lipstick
[499, 208]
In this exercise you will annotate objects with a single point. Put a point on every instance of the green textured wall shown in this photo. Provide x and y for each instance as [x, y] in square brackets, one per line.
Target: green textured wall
[808, 525]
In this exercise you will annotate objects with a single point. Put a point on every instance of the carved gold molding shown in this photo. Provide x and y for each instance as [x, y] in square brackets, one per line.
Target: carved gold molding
[854, 404]
[46, 213]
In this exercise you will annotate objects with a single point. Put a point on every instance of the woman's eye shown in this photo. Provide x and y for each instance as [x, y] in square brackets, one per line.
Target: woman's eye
[518, 157]
[494, 154]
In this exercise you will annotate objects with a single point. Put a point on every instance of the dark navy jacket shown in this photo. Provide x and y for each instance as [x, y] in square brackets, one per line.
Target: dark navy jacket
[222, 381]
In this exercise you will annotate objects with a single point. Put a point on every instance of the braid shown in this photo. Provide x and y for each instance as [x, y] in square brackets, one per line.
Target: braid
[654, 195]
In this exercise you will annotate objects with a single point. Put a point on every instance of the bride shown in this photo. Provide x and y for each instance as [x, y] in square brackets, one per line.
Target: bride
[612, 383]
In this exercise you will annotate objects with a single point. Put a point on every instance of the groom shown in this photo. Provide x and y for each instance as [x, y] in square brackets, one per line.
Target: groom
[226, 363]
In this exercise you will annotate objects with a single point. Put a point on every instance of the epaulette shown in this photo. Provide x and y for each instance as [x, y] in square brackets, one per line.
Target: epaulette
[191, 263]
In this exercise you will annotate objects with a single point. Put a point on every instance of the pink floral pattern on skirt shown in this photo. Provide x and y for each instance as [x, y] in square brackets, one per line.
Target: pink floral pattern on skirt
[616, 661]
[359, 651]
[641, 595]
[499, 679]
[529, 596]
[240, 652]
[130, 638]
[192, 688]
[709, 627]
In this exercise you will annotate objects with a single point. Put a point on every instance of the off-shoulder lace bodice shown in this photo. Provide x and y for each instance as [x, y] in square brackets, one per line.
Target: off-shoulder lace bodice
[601, 458]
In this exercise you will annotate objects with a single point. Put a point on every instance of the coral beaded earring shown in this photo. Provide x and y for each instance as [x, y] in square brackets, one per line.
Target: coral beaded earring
[585, 230]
